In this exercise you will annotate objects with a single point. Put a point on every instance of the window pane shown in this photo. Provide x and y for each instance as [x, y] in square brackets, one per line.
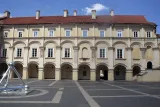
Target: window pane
[68, 33]
[85, 33]
[101, 33]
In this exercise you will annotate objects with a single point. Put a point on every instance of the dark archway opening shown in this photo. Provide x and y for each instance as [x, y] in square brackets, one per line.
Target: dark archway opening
[33, 71]
[136, 70]
[84, 72]
[19, 68]
[149, 65]
[102, 72]
[49, 71]
[66, 71]
[120, 73]
[3, 68]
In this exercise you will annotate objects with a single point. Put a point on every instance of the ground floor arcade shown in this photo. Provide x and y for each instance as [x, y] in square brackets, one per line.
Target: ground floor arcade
[83, 72]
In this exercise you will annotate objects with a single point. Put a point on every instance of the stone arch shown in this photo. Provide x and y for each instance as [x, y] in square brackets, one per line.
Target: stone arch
[67, 41]
[5, 42]
[66, 71]
[120, 64]
[49, 70]
[47, 42]
[83, 72]
[149, 44]
[49, 63]
[19, 67]
[64, 63]
[84, 63]
[120, 72]
[136, 43]
[3, 68]
[101, 71]
[120, 42]
[34, 42]
[32, 70]
[136, 69]
[18, 42]
[102, 42]
[88, 42]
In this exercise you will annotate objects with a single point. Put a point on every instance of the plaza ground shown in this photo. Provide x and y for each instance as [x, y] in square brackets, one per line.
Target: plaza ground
[69, 93]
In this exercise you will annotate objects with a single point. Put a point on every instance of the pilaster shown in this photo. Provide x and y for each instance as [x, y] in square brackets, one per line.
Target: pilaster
[75, 74]
[25, 73]
[110, 75]
[92, 74]
[40, 73]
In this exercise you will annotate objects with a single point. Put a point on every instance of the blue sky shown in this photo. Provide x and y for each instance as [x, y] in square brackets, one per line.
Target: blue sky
[149, 8]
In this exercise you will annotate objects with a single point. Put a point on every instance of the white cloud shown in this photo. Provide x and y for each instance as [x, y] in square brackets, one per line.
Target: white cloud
[98, 7]
[1, 14]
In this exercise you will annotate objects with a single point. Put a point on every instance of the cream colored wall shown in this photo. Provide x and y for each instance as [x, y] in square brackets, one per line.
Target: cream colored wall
[136, 54]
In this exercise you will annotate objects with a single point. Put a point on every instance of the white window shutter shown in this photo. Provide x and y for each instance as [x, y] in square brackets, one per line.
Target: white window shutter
[123, 53]
[70, 53]
[53, 52]
[105, 53]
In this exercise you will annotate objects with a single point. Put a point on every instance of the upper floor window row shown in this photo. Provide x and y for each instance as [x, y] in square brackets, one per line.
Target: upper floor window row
[149, 34]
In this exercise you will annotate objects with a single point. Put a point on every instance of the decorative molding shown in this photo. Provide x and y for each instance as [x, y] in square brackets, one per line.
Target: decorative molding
[75, 47]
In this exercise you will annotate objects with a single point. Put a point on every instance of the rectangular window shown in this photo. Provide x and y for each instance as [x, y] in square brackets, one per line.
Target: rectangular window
[50, 52]
[5, 34]
[135, 34]
[35, 33]
[120, 53]
[68, 33]
[51, 33]
[84, 33]
[19, 52]
[20, 34]
[119, 33]
[67, 53]
[102, 33]
[4, 52]
[34, 52]
[148, 34]
[102, 53]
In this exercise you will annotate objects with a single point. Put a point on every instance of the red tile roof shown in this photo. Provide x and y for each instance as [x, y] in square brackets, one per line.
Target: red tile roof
[117, 19]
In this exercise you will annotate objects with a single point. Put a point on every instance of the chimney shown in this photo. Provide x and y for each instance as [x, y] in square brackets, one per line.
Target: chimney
[75, 12]
[93, 14]
[37, 14]
[112, 12]
[7, 14]
[65, 13]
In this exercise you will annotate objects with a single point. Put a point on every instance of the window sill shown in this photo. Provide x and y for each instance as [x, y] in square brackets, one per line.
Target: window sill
[102, 58]
[33, 57]
[18, 57]
[66, 58]
[120, 59]
[49, 58]
[136, 59]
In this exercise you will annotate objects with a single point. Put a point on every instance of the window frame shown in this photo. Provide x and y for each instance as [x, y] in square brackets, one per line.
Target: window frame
[49, 33]
[34, 54]
[83, 32]
[134, 34]
[69, 53]
[102, 53]
[2, 52]
[121, 32]
[117, 56]
[5, 33]
[49, 55]
[100, 33]
[147, 34]
[19, 53]
[34, 33]
[66, 32]
[19, 33]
